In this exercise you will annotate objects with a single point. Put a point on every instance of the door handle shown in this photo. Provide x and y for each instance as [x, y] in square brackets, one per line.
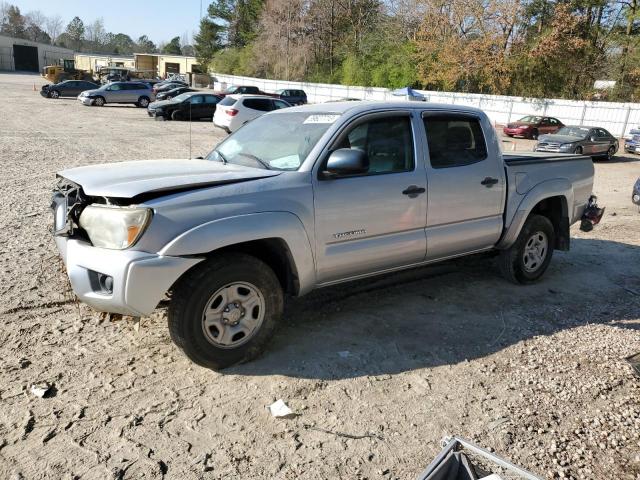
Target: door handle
[413, 191]
[489, 182]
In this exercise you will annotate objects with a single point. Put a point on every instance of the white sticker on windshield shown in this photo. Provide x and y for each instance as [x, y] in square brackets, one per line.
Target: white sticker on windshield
[325, 118]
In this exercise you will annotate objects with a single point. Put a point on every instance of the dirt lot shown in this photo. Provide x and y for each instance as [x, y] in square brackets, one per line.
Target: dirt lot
[534, 373]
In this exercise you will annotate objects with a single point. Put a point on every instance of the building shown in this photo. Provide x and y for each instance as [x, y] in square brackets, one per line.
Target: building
[166, 65]
[94, 61]
[28, 56]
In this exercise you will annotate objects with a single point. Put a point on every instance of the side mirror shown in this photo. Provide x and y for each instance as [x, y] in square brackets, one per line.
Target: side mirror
[346, 161]
[592, 139]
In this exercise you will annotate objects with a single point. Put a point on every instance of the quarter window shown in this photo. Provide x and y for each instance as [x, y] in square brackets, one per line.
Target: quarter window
[261, 104]
[454, 140]
[388, 143]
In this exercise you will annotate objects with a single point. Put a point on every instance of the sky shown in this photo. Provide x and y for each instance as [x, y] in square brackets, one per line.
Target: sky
[160, 20]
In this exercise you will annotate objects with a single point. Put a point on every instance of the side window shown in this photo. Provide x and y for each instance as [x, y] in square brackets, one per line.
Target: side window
[553, 122]
[388, 143]
[115, 87]
[196, 100]
[211, 99]
[602, 133]
[261, 104]
[279, 104]
[454, 140]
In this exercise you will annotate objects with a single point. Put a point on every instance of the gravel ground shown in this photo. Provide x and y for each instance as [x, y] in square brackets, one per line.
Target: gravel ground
[536, 374]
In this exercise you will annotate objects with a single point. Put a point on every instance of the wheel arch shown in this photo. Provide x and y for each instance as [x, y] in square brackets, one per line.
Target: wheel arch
[277, 238]
[550, 199]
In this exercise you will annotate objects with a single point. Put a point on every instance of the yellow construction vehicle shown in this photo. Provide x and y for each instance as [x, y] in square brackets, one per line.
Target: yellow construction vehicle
[65, 70]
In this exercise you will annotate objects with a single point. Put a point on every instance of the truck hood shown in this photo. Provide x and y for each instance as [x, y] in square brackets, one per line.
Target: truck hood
[128, 179]
[559, 138]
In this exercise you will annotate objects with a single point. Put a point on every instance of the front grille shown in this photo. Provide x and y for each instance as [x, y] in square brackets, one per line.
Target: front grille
[549, 144]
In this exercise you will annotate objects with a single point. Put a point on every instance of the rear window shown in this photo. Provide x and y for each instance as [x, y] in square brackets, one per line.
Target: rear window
[261, 104]
[228, 101]
[454, 140]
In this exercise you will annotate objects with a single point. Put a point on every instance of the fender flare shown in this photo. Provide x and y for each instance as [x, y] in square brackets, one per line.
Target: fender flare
[559, 187]
[229, 231]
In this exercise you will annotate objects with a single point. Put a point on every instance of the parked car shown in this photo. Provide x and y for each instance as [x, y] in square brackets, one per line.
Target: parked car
[68, 88]
[595, 142]
[635, 196]
[233, 111]
[532, 126]
[302, 198]
[137, 93]
[240, 90]
[632, 141]
[188, 106]
[169, 94]
[165, 87]
[294, 97]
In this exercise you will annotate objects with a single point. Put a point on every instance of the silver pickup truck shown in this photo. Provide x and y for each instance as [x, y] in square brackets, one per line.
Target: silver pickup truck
[302, 198]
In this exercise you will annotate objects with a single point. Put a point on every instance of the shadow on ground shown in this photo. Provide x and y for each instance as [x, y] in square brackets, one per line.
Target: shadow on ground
[448, 313]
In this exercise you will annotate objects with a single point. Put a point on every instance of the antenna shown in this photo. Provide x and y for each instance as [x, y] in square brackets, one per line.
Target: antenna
[189, 130]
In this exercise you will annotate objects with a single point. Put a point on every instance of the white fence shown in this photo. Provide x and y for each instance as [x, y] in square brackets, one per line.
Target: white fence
[618, 118]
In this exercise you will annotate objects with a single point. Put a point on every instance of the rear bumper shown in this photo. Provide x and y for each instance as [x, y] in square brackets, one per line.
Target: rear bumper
[140, 279]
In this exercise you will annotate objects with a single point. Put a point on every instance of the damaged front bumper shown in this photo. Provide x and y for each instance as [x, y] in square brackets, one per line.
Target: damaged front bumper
[120, 281]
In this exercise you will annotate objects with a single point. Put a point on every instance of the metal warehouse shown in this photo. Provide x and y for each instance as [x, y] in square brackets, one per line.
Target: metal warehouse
[25, 55]
[94, 61]
[167, 64]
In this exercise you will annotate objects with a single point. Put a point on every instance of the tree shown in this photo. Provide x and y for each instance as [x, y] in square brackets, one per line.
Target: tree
[53, 27]
[122, 44]
[207, 41]
[173, 47]
[75, 30]
[95, 34]
[144, 45]
[14, 24]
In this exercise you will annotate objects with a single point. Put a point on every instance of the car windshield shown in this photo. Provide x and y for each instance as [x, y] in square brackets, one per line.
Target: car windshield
[231, 89]
[278, 141]
[574, 131]
[530, 119]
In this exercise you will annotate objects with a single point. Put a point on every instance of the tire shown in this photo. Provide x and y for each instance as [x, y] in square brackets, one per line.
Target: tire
[578, 151]
[99, 102]
[534, 134]
[610, 153]
[204, 287]
[176, 115]
[527, 259]
[54, 94]
[143, 102]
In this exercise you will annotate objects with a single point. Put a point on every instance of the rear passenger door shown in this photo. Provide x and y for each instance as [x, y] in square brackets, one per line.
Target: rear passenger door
[209, 107]
[466, 186]
[374, 221]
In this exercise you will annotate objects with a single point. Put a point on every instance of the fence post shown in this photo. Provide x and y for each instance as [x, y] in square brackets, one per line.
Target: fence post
[584, 112]
[626, 122]
[510, 111]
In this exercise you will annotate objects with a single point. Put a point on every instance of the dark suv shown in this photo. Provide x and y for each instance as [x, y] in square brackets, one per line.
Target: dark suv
[294, 97]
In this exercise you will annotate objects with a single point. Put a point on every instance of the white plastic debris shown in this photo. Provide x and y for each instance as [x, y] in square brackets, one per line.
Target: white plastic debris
[279, 409]
[40, 390]
[344, 354]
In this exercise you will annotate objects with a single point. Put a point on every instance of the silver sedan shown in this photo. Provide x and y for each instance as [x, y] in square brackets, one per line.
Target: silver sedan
[595, 142]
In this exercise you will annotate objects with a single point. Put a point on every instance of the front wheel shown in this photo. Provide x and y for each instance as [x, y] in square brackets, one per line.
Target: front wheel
[99, 102]
[528, 258]
[54, 94]
[534, 134]
[176, 115]
[225, 310]
[611, 152]
[578, 151]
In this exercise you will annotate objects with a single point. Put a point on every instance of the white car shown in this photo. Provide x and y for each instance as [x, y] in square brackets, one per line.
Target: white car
[233, 111]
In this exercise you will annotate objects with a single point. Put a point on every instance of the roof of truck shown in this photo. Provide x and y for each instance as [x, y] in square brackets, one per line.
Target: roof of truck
[366, 105]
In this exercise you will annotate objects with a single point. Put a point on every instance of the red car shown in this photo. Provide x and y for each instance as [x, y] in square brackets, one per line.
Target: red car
[531, 126]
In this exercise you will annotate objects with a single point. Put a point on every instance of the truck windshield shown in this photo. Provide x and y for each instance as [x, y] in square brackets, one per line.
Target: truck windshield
[279, 141]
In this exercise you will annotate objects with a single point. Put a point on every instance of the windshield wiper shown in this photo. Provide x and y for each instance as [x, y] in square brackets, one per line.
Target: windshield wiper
[222, 157]
[256, 159]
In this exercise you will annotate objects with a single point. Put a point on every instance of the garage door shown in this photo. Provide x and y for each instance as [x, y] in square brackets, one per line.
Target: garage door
[25, 58]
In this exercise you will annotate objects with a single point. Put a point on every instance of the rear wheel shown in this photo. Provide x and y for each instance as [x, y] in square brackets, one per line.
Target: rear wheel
[578, 151]
[143, 102]
[528, 258]
[611, 152]
[534, 134]
[225, 310]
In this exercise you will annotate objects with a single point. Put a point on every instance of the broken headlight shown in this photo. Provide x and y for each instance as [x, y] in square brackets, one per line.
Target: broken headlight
[114, 227]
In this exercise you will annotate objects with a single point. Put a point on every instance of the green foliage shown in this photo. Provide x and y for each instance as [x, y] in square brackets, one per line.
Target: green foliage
[14, 24]
[144, 45]
[75, 31]
[208, 41]
[173, 47]
[234, 61]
